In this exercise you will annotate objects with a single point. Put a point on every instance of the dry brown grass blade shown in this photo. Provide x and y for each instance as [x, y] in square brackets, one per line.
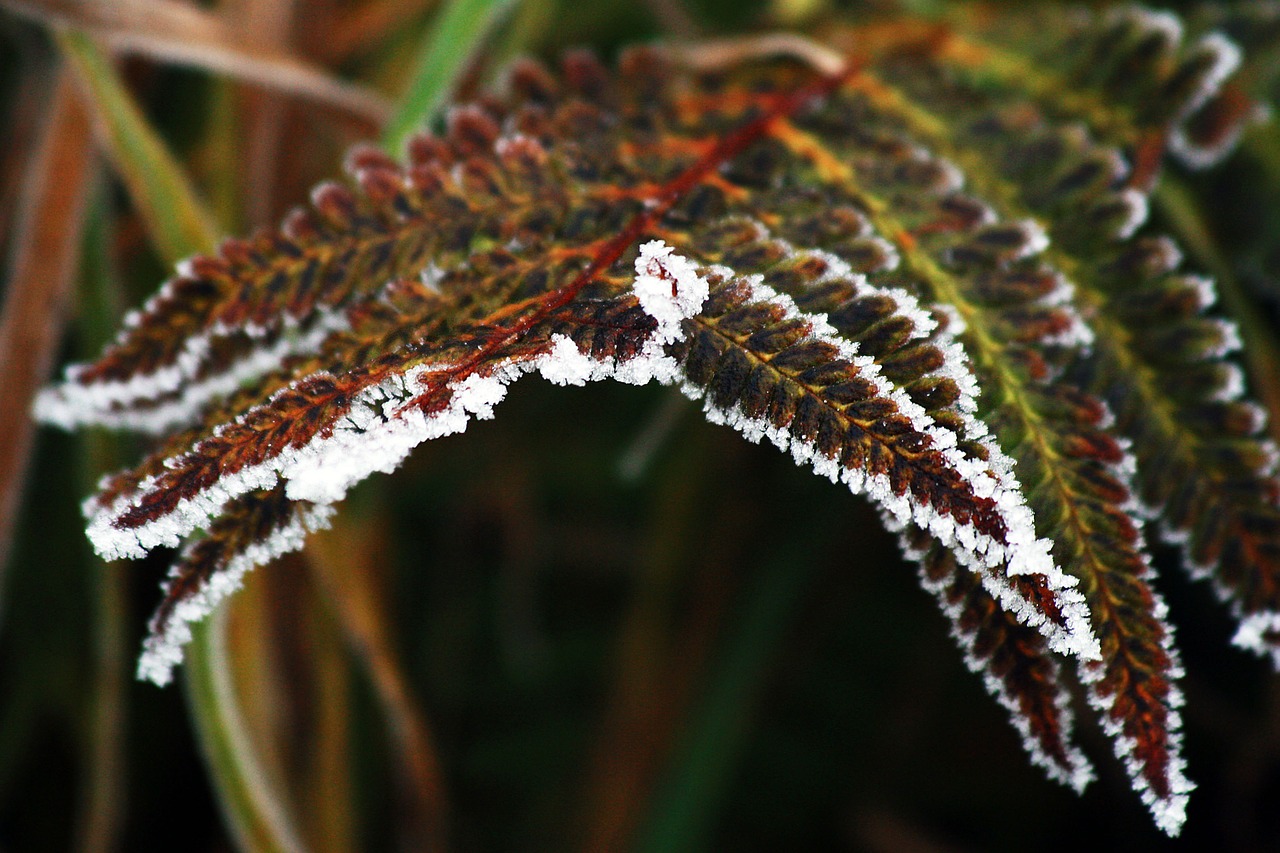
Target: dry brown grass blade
[345, 560]
[266, 25]
[660, 659]
[254, 660]
[26, 103]
[306, 688]
[41, 274]
[366, 24]
[328, 780]
[185, 35]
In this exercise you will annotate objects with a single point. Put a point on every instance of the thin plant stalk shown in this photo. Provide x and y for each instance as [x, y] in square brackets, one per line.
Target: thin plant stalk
[176, 219]
[41, 279]
[344, 562]
[102, 812]
[258, 820]
[683, 811]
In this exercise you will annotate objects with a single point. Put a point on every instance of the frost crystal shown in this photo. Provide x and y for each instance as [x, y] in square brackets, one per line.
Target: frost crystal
[1256, 633]
[1138, 210]
[668, 287]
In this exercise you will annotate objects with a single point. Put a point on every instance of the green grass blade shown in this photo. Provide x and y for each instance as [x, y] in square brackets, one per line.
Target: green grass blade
[177, 221]
[258, 820]
[102, 800]
[687, 803]
[459, 29]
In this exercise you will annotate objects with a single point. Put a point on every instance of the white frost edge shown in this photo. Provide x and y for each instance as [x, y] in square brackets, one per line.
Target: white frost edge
[1079, 334]
[1025, 553]
[1206, 289]
[1233, 384]
[1227, 59]
[1037, 238]
[376, 434]
[1199, 157]
[1148, 20]
[922, 321]
[72, 404]
[162, 651]
[1169, 813]
[1078, 638]
[1081, 772]
[1139, 208]
[1231, 341]
[1251, 635]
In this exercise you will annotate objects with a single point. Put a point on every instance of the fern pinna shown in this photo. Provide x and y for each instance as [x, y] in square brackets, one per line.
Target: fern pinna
[911, 256]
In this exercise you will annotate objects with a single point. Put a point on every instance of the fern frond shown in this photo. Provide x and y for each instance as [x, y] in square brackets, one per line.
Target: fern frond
[917, 272]
[1160, 360]
[1076, 473]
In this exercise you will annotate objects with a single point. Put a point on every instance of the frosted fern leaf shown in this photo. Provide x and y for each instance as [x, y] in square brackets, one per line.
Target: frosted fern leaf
[918, 264]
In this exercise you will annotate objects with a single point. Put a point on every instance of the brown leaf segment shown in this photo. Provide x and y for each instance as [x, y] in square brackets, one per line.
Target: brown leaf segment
[252, 530]
[1016, 666]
